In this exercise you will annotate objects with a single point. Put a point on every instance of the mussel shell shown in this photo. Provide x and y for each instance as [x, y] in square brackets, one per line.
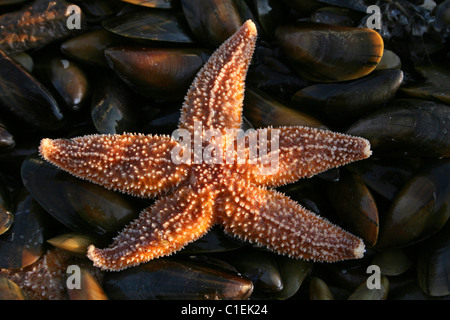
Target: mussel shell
[68, 79]
[6, 138]
[80, 205]
[319, 290]
[25, 98]
[171, 279]
[420, 209]
[386, 176]
[260, 267]
[149, 24]
[349, 100]
[114, 106]
[365, 293]
[214, 21]
[6, 214]
[89, 47]
[162, 4]
[41, 23]
[335, 16]
[393, 262]
[407, 127]
[293, 274]
[325, 53]
[435, 86]
[434, 264]
[390, 60]
[23, 244]
[262, 110]
[10, 291]
[90, 288]
[427, 91]
[157, 73]
[356, 206]
[73, 242]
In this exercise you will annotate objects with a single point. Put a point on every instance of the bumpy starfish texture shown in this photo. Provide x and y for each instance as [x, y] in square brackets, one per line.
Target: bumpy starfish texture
[43, 280]
[194, 196]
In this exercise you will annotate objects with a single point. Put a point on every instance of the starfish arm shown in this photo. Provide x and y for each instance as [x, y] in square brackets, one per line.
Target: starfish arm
[167, 226]
[216, 95]
[270, 219]
[139, 165]
[304, 152]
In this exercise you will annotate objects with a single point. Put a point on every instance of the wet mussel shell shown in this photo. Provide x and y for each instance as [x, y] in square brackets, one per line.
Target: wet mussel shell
[434, 264]
[162, 4]
[346, 101]
[386, 176]
[79, 205]
[89, 47]
[40, 23]
[25, 98]
[24, 242]
[157, 73]
[259, 266]
[67, 79]
[420, 209]
[325, 53]
[150, 24]
[10, 291]
[89, 288]
[114, 106]
[169, 279]
[356, 206]
[407, 127]
[6, 206]
[262, 110]
[213, 21]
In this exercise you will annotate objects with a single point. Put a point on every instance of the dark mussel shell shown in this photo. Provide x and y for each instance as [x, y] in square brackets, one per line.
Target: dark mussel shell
[23, 97]
[420, 209]
[346, 101]
[319, 290]
[356, 206]
[162, 4]
[43, 22]
[213, 21]
[325, 53]
[114, 106]
[90, 47]
[434, 87]
[79, 205]
[259, 266]
[68, 80]
[89, 288]
[10, 291]
[23, 244]
[262, 110]
[172, 279]
[149, 24]
[7, 141]
[407, 127]
[434, 264]
[157, 73]
[386, 176]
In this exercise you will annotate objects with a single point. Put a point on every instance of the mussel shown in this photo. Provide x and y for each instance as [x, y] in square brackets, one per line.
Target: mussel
[407, 127]
[325, 53]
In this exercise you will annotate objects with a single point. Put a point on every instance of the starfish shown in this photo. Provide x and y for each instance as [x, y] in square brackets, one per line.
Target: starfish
[195, 195]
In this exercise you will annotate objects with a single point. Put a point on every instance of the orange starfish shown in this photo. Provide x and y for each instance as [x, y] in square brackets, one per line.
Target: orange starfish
[196, 195]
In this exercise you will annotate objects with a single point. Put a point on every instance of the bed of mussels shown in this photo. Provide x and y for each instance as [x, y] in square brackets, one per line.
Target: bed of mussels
[125, 66]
